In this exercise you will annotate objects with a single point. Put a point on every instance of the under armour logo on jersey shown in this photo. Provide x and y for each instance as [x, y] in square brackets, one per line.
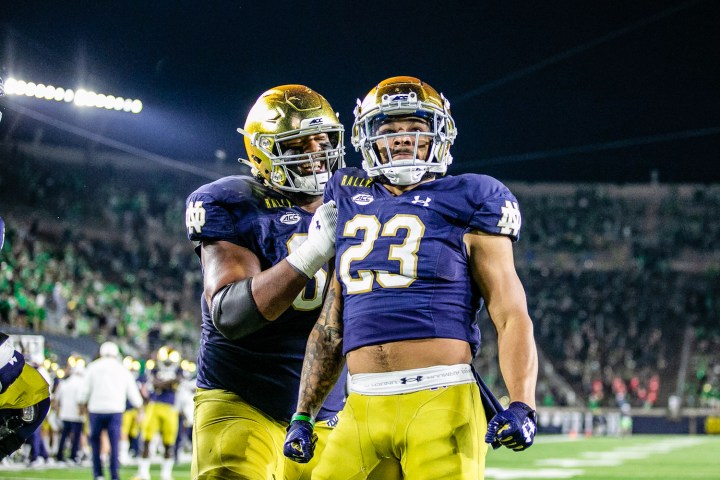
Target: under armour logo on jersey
[13, 360]
[424, 203]
[317, 225]
[195, 216]
[510, 222]
[406, 380]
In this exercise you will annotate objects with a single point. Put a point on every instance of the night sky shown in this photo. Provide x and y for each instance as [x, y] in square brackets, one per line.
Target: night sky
[541, 91]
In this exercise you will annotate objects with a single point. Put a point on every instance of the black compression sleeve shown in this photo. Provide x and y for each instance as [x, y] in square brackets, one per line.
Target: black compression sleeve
[234, 312]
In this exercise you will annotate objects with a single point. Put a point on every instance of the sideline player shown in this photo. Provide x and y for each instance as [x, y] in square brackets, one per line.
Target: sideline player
[24, 398]
[264, 277]
[417, 253]
[160, 415]
[24, 393]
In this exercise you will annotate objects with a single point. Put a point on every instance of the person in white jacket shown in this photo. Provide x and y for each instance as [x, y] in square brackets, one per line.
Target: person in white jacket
[107, 386]
[65, 403]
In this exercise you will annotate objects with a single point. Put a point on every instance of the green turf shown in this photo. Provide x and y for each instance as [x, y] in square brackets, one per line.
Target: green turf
[552, 457]
[662, 457]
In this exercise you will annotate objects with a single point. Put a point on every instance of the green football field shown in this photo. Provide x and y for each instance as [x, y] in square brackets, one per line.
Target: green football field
[552, 457]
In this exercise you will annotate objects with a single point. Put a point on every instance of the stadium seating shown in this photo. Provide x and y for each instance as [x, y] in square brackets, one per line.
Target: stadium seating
[621, 280]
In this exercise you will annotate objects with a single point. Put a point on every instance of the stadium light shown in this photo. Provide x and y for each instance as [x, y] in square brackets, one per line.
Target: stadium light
[79, 97]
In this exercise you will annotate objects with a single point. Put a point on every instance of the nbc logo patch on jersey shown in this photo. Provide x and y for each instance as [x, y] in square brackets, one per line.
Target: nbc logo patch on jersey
[510, 222]
[363, 199]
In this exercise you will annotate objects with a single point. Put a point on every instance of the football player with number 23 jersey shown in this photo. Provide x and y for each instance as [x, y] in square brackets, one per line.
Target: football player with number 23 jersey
[264, 242]
[417, 253]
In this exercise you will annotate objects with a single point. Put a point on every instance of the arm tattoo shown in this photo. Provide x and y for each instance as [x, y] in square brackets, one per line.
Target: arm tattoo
[323, 356]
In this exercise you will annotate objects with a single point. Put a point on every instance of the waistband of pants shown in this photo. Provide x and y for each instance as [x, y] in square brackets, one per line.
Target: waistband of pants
[408, 381]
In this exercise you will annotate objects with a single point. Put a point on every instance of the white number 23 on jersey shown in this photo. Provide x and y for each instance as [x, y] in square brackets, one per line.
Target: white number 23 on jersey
[408, 229]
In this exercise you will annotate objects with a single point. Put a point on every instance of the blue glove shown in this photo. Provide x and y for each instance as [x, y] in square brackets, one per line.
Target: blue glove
[514, 427]
[300, 439]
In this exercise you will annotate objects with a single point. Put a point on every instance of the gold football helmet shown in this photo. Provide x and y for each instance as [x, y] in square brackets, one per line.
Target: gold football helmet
[283, 114]
[403, 97]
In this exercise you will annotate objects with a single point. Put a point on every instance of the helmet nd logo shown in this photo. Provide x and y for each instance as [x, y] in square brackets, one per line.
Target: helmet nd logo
[194, 216]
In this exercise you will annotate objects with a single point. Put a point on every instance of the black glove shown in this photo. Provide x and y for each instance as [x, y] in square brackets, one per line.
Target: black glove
[514, 427]
[9, 438]
[10, 443]
[300, 439]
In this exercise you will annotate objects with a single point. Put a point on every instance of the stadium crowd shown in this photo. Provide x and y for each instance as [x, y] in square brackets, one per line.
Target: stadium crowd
[614, 274]
[99, 253]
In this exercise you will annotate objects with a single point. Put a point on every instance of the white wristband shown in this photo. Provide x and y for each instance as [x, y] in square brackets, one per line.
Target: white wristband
[319, 247]
[307, 260]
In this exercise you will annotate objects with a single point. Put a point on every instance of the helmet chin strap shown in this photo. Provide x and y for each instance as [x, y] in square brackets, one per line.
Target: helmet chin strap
[404, 175]
[312, 184]
[398, 180]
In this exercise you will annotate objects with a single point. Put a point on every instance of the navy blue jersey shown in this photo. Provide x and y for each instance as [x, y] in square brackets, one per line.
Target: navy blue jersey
[401, 259]
[165, 373]
[264, 367]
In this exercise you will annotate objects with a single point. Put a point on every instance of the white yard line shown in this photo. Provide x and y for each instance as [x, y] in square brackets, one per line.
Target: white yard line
[572, 467]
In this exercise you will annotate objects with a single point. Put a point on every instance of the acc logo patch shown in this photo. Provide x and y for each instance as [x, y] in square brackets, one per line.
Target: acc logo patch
[309, 122]
[510, 222]
[195, 216]
[363, 199]
[290, 218]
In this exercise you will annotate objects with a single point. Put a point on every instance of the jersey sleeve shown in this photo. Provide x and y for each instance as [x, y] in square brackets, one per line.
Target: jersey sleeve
[496, 208]
[221, 210]
[329, 191]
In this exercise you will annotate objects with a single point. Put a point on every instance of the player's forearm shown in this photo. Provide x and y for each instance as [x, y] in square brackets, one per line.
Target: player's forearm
[517, 356]
[275, 289]
[323, 358]
[228, 271]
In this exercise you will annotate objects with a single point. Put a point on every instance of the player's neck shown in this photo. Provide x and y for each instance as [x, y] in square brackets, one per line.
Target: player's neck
[304, 201]
[400, 189]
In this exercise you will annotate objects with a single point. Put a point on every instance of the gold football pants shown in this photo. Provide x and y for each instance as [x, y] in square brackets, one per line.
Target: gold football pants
[425, 435]
[234, 440]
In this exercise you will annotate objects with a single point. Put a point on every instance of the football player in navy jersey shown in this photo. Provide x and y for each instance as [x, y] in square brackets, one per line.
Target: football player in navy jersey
[417, 253]
[160, 415]
[24, 393]
[264, 242]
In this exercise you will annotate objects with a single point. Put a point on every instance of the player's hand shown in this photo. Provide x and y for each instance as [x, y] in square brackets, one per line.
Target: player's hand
[514, 427]
[300, 441]
[322, 228]
[319, 247]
